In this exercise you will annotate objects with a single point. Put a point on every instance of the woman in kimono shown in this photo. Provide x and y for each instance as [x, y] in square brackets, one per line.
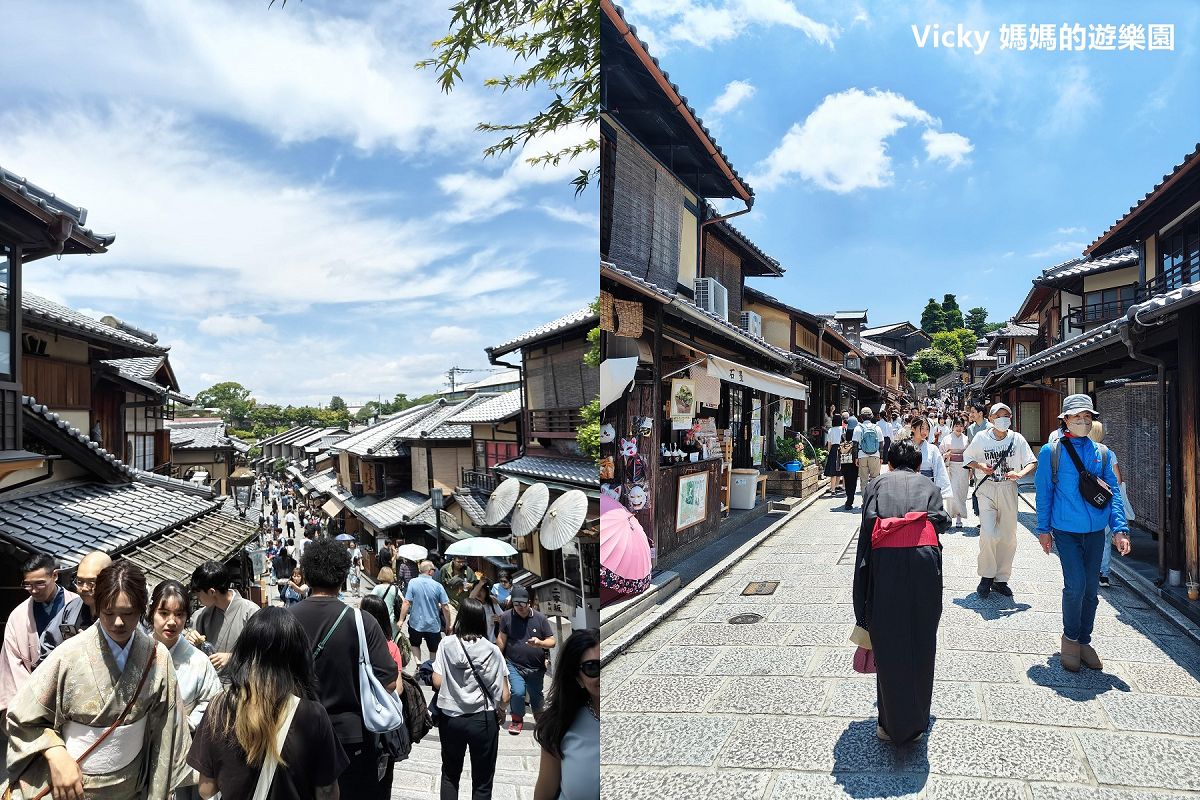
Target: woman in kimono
[898, 590]
[111, 673]
[932, 464]
[960, 477]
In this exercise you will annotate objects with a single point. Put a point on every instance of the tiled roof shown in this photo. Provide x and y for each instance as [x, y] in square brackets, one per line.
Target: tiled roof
[1079, 267]
[379, 440]
[854, 377]
[498, 379]
[177, 553]
[771, 263]
[1088, 340]
[818, 365]
[881, 329]
[691, 111]
[440, 425]
[52, 204]
[1167, 303]
[567, 470]
[71, 521]
[980, 354]
[873, 348]
[144, 367]
[317, 436]
[201, 437]
[496, 409]
[391, 512]
[473, 503]
[583, 316]
[32, 406]
[695, 311]
[131, 374]
[1018, 329]
[37, 308]
[1188, 160]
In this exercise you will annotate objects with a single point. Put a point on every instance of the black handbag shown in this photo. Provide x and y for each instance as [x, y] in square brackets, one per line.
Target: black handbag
[1095, 491]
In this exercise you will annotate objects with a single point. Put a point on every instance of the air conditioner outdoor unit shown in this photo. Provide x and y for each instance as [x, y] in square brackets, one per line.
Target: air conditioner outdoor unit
[712, 297]
[752, 323]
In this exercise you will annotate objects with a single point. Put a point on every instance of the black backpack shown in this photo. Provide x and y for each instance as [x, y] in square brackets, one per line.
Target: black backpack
[416, 710]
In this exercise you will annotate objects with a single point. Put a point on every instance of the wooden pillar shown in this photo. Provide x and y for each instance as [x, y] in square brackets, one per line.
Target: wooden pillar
[1189, 375]
[660, 434]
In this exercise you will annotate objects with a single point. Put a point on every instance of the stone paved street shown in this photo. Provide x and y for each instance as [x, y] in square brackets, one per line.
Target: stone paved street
[703, 708]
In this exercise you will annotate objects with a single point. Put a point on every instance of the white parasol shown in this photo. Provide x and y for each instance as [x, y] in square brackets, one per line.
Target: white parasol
[564, 519]
[503, 498]
[481, 546]
[413, 552]
[530, 509]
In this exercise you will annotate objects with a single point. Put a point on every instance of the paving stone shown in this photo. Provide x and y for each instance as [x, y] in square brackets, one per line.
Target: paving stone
[770, 695]
[993, 641]
[1048, 671]
[942, 788]
[762, 661]
[1037, 705]
[837, 663]
[679, 661]
[1153, 713]
[657, 784]
[816, 634]
[1123, 759]
[1162, 679]
[721, 612]
[1048, 791]
[726, 635]
[810, 743]
[992, 751]
[620, 668]
[856, 698]
[663, 693]
[659, 636]
[664, 741]
[962, 665]
[820, 613]
[813, 786]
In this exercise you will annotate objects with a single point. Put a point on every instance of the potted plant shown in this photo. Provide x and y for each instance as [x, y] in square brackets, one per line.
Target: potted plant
[787, 453]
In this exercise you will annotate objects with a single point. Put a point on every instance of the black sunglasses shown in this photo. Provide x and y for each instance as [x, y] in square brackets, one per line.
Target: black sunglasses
[590, 668]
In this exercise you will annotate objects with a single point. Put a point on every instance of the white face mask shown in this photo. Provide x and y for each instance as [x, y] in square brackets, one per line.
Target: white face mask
[1002, 423]
[1080, 429]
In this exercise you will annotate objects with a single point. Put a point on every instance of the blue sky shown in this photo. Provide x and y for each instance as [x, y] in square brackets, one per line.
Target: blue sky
[886, 174]
[296, 207]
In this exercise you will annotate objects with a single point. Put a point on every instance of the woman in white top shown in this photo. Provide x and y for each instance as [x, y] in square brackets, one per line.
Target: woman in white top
[932, 465]
[952, 448]
[471, 679]
[198, 680]
[833, 467]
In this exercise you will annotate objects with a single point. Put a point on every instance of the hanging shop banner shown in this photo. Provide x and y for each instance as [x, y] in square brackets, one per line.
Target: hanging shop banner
[732, 372]
[683, 403]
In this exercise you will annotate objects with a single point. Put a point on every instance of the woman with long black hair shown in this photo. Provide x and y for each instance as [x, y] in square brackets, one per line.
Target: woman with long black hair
[266, 726]
[569, 728]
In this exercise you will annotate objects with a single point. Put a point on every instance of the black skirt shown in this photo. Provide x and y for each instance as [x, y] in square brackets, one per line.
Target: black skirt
[833, 466]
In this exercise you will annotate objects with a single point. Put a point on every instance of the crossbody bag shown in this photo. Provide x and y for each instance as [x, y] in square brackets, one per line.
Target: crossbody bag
[1095, 491]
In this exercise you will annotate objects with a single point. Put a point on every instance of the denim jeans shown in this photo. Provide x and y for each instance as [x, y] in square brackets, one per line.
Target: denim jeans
[1079, 554]
[1107, 557]
[518, 684]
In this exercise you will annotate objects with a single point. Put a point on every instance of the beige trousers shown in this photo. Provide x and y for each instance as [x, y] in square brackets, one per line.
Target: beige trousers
[868, 468]
[960, 482]
[997, 529]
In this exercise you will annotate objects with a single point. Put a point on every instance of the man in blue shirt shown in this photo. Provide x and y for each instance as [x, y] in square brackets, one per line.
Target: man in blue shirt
[1076, 526]
[427, 601]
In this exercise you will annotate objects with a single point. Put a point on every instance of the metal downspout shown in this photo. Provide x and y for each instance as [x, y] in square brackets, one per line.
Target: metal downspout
[722, 218]
[1126, 334]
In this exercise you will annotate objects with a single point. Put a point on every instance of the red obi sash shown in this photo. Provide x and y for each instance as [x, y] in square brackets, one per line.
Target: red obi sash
[912, 530]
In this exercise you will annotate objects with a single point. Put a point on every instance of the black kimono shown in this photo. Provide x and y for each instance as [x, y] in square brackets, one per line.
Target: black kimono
[898, 600]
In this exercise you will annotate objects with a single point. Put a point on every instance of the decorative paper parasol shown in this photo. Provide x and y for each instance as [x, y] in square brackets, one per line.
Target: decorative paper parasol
[564, 519]
[530, 509]
[344, 537]
[481, 546]
[624, 550]
[503, 498]
[413, 552]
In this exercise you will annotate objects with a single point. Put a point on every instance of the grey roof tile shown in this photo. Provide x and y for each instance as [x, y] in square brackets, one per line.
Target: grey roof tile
[185, 436]
[38, 309]
[473, 503]
[583, 316]
[496, 409]
[1188, 159]
[52, 203]
[568, 470]
[34, 407]
[1079, 267]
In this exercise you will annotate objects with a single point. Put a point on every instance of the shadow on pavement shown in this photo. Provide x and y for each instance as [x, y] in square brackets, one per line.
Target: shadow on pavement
[996, 606]
[865, 767]
[1087, 684]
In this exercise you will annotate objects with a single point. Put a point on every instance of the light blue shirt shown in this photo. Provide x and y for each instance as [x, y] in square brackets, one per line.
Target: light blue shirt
[427, 597]
[500, 593]
[121, 654]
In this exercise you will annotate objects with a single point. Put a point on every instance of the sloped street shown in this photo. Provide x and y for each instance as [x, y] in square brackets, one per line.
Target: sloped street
[700, 707]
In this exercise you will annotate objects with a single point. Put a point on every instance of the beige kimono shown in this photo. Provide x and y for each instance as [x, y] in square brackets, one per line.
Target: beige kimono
[78, 692]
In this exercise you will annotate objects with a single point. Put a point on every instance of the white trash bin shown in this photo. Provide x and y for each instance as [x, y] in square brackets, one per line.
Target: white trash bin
[745, 487]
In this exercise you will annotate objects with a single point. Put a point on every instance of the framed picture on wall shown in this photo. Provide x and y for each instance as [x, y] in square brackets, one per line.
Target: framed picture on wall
[691, 504]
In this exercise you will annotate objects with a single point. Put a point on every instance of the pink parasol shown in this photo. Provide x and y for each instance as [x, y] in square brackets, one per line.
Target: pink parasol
[624, 550]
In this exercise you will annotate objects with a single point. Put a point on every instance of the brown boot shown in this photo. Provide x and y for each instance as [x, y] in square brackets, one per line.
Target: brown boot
[1089, 657]
[1070, 655]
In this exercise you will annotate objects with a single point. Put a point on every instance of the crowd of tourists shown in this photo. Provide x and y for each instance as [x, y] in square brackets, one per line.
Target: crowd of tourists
[939, 463]
[117, 690]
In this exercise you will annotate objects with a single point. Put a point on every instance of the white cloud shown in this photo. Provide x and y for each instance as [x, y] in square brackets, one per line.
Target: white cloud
[1074, 99]
[705, 25]
[587, 218]
[842, 145]
[952, 148]
[452, 334]
[1057, 249]
[1069, 231]
[296, 74]
[734, 94]
[234, 326]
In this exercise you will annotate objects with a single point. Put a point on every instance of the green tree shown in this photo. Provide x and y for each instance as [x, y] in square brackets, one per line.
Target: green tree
[934, 363]
[916, 374]
[933, 319]
[976, 319]
[592, 357]
[557, 45]
[337, 404]
[966, 338]
[949, 344]
[952, 317]
[231, 398]
[588, 435]
[991, 326]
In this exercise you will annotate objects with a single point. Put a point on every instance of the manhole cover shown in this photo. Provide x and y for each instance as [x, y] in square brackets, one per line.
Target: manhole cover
[745, 619]
[761, 587]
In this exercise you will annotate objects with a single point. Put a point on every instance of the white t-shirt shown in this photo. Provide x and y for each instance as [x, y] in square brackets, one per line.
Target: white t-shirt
[833, 436]
[985, 448]
[885, 428]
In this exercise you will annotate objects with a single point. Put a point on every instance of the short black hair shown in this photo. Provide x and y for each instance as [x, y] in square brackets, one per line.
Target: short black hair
[39, 561]
[325, 564]
[471, 619]
[211, 575]
[904, 455]
[122, 577]
[979, 406]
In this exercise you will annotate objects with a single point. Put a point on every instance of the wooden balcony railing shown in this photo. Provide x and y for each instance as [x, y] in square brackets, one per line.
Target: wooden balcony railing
[479, 479]
[554, 423]
[1080, 316]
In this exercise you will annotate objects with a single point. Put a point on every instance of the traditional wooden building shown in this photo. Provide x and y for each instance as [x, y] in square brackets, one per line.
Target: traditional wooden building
[201, 451]
[902, 336]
